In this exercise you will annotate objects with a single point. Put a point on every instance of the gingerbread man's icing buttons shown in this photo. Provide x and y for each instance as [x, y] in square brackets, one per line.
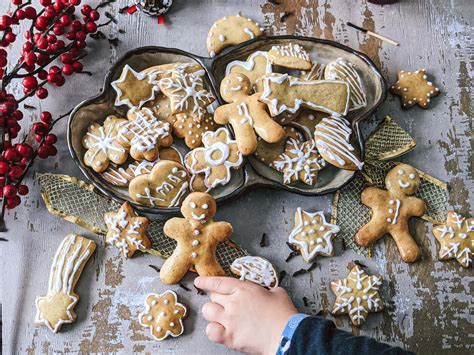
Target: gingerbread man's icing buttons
[127, 231]
[357, 295]
[134, 89]
[456, 239]
[414, 88]
[391, 210]
[198, 210]
[163, 315]
[312, 235]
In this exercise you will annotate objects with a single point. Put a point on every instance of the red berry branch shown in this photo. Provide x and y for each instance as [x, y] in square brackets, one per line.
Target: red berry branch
[56, 35]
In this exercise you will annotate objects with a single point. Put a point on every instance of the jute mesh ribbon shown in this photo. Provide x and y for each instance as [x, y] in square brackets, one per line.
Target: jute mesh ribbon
[77, 202]
[387, 142]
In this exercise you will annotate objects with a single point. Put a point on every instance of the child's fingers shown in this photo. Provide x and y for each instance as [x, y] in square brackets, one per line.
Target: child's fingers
[212, 312]
[216, 332]
[219, 284]
[218, 298]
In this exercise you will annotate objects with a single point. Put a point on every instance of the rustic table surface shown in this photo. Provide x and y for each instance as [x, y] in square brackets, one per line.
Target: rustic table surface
[429, 303]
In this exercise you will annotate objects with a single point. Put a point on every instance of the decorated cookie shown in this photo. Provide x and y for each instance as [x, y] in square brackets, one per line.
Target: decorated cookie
[312, 235]
[255, 269]
[163, 315]
[315, 73]
[392, 209]
[256, 66]
[357, 295]
[414, 88]
[269, 152]
[161, 108]
[191, 130]
[127, 231]
[187, 94]
[291, 55]
[57, 307]
[246, 114]
[198, 180]
[164, 186]
[307, 121]
[299, 162]
[134, 89]
[144, 134]
[198, 236]
[219, 154]
[162, 71]
[456, 239]
[340, 69]
[332, 136]
[286, 93]
[231, 30]
[102, 144]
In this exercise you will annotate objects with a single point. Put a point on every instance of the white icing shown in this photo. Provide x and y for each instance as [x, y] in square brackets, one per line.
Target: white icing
[255, 269]
[393, 219]
[403, 184]
[292, 50]
[105, 141]
[243, 110]
[249, 64]
[249, 32]
[221, 38]
[198, 217]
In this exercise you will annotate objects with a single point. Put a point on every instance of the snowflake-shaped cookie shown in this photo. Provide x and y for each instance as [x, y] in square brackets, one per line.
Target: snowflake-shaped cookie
[357, 295]
[134, 89]
[300, 161]
[126, 230]
[163, 315]
[219, 154]
[414, 88]
[312, 235]
[187, 94]
[456, 239]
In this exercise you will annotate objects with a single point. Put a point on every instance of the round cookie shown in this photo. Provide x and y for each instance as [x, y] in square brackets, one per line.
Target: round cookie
[231, 30]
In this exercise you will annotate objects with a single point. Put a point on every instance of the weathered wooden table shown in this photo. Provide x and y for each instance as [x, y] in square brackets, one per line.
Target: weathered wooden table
[429, 304]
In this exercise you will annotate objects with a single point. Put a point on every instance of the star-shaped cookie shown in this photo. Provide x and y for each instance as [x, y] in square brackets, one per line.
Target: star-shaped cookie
[312, 235]
[126, 230]
[357, 295]
[456, 239]
[414, 88]
[134, 89]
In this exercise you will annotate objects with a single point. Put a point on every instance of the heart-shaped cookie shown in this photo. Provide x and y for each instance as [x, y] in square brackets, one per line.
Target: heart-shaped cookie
[165, 186]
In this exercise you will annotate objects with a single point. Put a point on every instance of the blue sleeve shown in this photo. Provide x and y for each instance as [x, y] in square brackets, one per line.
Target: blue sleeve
[316, 335]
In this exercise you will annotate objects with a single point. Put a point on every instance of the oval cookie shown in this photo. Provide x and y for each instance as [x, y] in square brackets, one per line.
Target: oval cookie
[255, 269]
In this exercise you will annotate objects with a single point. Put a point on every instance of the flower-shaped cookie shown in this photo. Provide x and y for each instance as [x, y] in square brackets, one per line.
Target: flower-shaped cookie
[102, 144]
[163, 315]
[219, 154]
[126, 230]
[456, 239]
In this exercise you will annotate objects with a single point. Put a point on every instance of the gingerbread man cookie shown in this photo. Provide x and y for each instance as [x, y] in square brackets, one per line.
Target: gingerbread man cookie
[231, 30]
[246, 114]
[256, 66]
[127, 231]
[191, 130]
[357, 295]
[102, 144]
[414, 88]
[456, 239]
[391, 210]
[163, 315]
[255, 269]
[198, 236]
[291, 55]
[57, 307]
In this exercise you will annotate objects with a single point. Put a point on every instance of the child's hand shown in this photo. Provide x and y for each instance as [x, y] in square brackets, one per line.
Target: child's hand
[243, 315]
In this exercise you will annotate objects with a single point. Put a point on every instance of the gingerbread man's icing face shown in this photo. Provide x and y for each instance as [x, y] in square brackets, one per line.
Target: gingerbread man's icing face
[199, 207]
[403, 179]
[235, 86]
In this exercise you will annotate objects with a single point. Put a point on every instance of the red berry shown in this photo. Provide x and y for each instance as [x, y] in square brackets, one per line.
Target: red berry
[6, 108]
[42, 43]
[58, 6]
[42, 74]
[75, 2]
[81, 44]
[40, 128]
[77, 66]
[51, 138]
[59, 44]
[9, 191]
[7, 144]
[24, 150]
[15, 172]
[30, 12]
[54, 69]
[41, 23]
[94, 15]
[30, 82]
[59, 80]
[51, 78]
[65, 20]
[41, 93]
[27, 46]
[20, 14]
[3, 61]
[91, 27]
[71, 35]
[2, 183]
[4, 168]
[43, 152]
[68, 69]
[10, 154]
[5, 22]
[17, 2]
[45, 2]
[51, 38]
[17, 115]
[66, 58]
[13, 202]
[38, 138]
[52, 151]
[30, 58]
[9, 37]
[23, 190]
[86, 10]
[46, 117]
[81, 35]
[58, 29]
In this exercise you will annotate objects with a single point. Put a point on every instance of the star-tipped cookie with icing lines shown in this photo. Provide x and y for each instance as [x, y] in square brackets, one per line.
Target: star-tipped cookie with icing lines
[341, 69]
[57, 306]
[333, 141]
[127, 231]
[197, 235]
[312, 235]
[357, 295]
[291, 55]
[163, 315]
[456, 239]
[102, 144]
[391, 210]
[255, 269]
[256, 66]
[190, 130]
[231, 30]
[134, 89]
[414, 88]
[247, 116]
[300, 162]
[219, 154]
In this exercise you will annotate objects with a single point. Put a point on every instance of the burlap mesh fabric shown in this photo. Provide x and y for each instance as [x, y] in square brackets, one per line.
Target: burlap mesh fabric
[76, 201]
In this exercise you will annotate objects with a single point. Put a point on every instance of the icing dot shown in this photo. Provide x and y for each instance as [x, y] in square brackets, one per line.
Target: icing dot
[162, 314]
[319, 240]
[205, 206]
[412, 176]
[194, 254]
[176, 311]
[197, 232]
[171, 324]
[221, 38]
[311, 117]
[391, 202]
[390, 210]
[311, 231]
[159, 329]
[303, 234]
[166, 301]
[150, 318]
[195, 242]
[321, 228]
[401, 172]
[153, 303]
[389, 220]
[313, 221]
[306, 223]
[192, 204]
[311, 242]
